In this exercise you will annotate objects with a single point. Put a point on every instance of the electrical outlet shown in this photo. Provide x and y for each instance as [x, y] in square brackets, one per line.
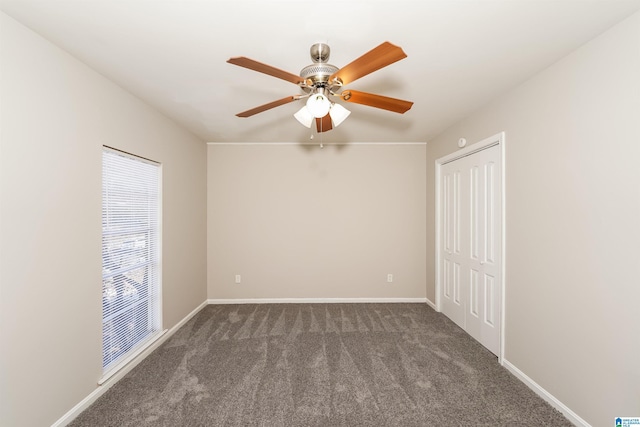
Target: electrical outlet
[389, 278]
[238, 278]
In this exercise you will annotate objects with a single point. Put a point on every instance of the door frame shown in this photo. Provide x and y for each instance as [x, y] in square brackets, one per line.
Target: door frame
[497, 139]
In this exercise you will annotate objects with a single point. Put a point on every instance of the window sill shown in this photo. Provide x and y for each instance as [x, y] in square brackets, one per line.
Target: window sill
[144, 346]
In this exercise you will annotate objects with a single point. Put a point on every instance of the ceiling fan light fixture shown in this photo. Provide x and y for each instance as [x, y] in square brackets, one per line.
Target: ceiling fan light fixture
[321, 80]
[304, 117]
[318, 105]
[338, 114]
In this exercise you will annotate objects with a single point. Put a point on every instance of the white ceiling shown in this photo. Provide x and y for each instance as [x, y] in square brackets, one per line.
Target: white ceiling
[461, 54]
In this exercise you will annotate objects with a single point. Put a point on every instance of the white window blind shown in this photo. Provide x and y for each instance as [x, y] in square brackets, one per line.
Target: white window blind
[131, 304]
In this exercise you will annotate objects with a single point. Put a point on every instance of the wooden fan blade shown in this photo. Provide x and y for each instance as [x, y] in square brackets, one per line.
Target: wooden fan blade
[268, 106]
[378, 101]
[323, 124]
[376, 58]
[242, 61]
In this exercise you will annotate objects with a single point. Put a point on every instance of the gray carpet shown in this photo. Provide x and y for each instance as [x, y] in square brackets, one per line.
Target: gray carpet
[320, 365]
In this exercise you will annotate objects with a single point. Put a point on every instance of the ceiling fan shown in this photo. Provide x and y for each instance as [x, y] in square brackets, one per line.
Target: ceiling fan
[321, 80]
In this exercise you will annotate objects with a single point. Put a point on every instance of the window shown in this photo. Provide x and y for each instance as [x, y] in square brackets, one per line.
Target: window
[131, 297]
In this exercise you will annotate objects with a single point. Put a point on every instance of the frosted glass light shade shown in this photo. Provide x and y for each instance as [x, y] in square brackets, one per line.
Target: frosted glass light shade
[338, 113]
[318, 105]
[304, 116]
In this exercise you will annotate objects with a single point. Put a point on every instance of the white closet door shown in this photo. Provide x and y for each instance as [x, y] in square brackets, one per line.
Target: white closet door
[452, 255]
[470, 251]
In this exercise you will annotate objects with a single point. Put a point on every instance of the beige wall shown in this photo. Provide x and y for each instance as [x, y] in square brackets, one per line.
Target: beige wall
[304, 222]
[56, 115]
[572, 234]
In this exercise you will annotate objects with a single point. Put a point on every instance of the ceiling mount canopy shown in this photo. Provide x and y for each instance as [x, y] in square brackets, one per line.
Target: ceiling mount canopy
[320, 81]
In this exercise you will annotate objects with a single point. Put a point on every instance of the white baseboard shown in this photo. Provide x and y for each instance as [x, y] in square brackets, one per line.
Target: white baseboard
[315, 300]
[76, 410]
[548, 397]
[95, 394]
[431, 304]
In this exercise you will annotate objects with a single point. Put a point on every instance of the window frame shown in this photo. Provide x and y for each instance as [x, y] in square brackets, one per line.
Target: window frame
[130, 295]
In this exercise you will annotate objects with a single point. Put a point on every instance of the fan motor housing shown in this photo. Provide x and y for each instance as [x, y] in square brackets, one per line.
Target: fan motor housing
[319, 72]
